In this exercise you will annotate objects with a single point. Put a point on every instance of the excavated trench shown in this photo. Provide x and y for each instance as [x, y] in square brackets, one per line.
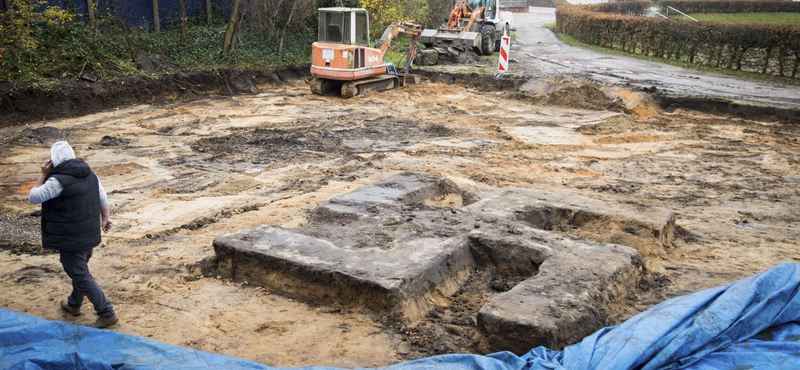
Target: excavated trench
[323, 201]
[22, 103]
[393, 248]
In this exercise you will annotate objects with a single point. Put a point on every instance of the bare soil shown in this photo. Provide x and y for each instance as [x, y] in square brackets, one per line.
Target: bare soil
[182, 170]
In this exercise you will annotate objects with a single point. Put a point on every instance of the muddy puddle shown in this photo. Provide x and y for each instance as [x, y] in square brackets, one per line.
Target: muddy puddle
[179, 174]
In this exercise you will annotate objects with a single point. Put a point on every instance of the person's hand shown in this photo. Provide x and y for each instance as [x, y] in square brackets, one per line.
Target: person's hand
[47, 167]
[106, 224]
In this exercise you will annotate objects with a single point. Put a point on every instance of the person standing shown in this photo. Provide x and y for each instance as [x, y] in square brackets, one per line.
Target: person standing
[74, 210]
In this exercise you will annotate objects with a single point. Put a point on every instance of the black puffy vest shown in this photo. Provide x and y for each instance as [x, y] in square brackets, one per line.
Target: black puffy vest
[71, 221]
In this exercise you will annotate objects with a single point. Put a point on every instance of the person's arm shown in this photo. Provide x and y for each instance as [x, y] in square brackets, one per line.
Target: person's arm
[105, 214]
[45, 188]
[106, 219]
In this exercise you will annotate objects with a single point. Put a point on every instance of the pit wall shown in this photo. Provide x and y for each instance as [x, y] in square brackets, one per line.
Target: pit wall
[765, 49]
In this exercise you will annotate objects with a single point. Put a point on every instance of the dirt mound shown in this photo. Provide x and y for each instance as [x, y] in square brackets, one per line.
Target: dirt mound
[38, 135]
[153, 63]
[109, 140]
[637, 104]
[20, 234]
[568, 95]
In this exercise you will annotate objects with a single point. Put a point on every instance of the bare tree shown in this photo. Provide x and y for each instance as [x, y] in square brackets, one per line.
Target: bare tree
[120, 17]
[156, 17]
[230, 35]
[5, 10]
[182, 11]
[300, 10]
[279, 17]
[89, 10]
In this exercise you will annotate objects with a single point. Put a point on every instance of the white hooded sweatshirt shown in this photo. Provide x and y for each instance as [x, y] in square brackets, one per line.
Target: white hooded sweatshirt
[59, 153]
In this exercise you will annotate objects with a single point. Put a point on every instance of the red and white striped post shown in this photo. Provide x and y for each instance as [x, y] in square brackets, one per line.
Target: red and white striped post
[505, 45]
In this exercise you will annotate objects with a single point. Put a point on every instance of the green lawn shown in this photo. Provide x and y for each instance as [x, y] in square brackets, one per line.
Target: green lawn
[762, 18]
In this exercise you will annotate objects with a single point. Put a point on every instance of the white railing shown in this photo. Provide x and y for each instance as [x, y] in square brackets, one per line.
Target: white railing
[682, 13]
[659, 14]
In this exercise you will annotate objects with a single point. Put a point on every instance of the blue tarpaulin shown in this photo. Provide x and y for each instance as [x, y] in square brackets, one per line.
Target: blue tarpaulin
[753, 323]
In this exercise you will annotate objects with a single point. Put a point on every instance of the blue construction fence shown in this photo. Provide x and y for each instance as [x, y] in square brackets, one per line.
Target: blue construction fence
[139, 13]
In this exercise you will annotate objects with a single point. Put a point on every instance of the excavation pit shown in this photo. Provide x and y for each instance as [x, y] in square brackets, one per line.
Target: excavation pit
[400, 245]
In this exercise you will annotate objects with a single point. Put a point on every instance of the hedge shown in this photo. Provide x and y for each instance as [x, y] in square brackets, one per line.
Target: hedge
[714, 6]
[767, 49]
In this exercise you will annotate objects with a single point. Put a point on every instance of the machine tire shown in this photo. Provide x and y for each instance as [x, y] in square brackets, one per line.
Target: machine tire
[506, 31]
[487, 39]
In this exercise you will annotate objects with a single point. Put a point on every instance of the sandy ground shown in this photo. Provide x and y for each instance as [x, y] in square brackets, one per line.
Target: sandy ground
[179, 175]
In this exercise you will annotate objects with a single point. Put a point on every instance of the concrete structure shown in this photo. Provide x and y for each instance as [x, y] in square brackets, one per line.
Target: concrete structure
[396, 245]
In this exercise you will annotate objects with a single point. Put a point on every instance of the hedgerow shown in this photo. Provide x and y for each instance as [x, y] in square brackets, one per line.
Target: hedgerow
[714, 6]
[766, 49]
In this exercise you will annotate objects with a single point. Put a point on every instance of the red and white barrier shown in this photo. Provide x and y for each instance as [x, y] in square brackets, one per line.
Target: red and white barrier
[505, 45]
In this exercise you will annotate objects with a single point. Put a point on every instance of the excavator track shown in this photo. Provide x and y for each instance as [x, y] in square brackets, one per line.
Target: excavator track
[380, 83]
[322, 86]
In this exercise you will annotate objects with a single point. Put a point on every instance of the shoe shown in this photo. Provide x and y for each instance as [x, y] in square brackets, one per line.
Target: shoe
[69, 309]
[104, 322]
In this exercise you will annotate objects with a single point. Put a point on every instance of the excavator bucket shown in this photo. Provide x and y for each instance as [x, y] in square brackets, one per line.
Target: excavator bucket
[432, 37]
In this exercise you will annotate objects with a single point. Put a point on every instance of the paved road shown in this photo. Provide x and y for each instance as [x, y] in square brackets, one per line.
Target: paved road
[541, 54]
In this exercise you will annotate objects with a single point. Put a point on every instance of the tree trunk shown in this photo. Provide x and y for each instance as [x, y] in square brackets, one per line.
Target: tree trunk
[89, 9]
[227, 45]
[236, 27]
[766, 61]
[286, 27]
[121, 19]
[182, 10]
[3, 22]
[208, 11]
[156, 18]
[740, 58]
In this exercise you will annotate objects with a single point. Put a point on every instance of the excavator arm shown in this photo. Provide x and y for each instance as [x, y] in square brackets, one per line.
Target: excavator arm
[396, 28]
[460, 12]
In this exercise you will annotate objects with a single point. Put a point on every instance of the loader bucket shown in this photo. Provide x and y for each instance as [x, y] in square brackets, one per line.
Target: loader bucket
[429, 37]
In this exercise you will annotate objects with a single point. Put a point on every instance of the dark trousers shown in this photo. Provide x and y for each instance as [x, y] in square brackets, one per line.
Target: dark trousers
[76, 265]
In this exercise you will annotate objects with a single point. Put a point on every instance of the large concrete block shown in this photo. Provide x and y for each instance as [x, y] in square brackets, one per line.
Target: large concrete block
[389, 197]
[386, 246]
[401, 244]
[566, 299]
[647, 229]
[395, 279]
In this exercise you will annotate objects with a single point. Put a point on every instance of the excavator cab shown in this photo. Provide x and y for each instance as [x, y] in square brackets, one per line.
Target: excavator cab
[487, 5]
[348, 26]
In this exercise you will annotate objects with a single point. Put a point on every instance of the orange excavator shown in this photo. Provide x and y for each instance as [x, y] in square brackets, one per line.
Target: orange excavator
[343, 58]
